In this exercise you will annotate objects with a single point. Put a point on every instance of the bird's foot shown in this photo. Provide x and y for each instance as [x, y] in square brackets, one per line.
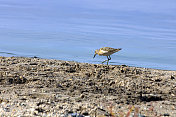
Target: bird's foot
[105, 61]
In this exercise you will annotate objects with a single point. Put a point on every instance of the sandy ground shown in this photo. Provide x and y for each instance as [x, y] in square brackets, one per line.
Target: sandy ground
[41, 87]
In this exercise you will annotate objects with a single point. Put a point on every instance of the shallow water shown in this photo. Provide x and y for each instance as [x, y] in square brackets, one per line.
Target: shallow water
[73, 29]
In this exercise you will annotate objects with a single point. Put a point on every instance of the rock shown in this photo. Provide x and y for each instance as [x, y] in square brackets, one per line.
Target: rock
[142, 115]
[39, 110]
[7, 109]
[166, 114]
[16, 80]
[33, 63]
[85, 113]
[172, 77]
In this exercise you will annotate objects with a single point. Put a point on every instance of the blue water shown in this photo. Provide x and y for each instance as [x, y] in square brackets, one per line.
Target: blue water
[73, 29]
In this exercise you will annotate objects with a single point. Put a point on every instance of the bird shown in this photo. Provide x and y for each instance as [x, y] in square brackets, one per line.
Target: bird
[106, 51]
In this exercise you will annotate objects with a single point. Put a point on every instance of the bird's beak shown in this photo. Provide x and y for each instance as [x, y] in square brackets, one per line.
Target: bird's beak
[94, 55]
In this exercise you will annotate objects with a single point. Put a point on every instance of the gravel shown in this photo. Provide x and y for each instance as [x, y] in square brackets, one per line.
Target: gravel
[42, 87]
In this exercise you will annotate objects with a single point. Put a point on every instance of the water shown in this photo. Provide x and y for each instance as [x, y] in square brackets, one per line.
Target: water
[73, 29]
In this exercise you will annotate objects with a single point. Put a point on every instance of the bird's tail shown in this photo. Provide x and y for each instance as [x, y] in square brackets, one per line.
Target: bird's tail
[118, 49]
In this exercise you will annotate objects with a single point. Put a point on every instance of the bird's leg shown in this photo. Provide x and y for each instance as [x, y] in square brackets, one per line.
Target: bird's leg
[106, 60]
[109, 57]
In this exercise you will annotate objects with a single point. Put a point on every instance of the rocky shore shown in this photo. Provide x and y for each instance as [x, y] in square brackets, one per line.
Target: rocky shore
[55, 88]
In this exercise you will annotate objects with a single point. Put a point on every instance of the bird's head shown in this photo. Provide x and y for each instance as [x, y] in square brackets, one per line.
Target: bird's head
[96, 52]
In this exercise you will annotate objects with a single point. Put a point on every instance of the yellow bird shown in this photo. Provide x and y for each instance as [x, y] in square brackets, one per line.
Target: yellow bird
[106, 51]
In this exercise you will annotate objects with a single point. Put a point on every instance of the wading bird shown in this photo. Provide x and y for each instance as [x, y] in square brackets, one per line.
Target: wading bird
[106, 51]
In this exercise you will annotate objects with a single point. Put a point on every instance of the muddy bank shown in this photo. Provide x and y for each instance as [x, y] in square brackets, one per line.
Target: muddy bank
[41, 87]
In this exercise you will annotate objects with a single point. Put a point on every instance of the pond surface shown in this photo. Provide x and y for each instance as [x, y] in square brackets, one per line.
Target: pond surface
[73, 29]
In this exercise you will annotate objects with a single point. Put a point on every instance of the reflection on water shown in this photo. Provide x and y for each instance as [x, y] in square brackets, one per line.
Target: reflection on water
[72, 30]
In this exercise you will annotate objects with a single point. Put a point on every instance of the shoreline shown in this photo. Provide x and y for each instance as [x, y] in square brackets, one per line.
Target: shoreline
[48, 87]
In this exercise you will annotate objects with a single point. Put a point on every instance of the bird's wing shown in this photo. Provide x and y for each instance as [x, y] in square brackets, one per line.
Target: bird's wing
[107, 49]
